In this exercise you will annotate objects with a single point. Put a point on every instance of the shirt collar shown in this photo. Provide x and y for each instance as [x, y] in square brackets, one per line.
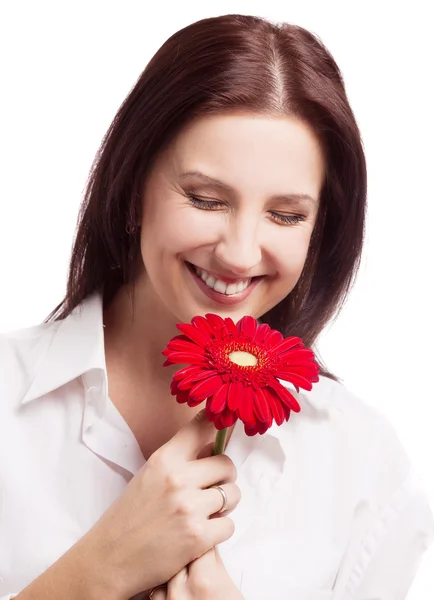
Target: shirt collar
[76, 348]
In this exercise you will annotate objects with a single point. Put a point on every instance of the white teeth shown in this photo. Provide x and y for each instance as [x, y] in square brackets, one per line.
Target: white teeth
[241, 286]
[232, 288]
[220, 286]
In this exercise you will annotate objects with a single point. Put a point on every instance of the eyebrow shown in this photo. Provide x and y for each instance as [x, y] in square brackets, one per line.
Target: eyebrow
[225, 186]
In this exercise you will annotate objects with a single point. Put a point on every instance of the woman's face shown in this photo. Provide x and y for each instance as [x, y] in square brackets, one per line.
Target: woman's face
[228, 211]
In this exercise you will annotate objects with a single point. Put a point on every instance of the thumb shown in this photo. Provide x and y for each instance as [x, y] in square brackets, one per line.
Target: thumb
[191, 438]
[204, 564]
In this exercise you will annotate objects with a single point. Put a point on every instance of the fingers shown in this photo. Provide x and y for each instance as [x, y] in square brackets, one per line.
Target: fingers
[159, 593]
[176, 587]
[203, 564]
[191, 439]
[219, 530]
[207, 471]
[214, 499]
[179, 579]
[206, 450]
[218, 557]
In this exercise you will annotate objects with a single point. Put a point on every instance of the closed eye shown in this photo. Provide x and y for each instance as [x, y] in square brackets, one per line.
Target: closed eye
[287, 219]
[203, 204]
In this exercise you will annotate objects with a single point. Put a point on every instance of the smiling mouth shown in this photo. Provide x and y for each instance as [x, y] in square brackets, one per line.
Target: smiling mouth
[232, 288]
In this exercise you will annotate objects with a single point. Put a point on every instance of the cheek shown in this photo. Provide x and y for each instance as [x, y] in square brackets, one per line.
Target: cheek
[195, 229]
[290, 251]
[178, 231]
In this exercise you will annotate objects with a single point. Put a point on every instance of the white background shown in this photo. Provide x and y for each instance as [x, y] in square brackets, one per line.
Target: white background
[67, 66]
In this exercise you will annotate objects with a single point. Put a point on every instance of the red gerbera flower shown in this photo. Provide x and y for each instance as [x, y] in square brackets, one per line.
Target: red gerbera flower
[236, 368]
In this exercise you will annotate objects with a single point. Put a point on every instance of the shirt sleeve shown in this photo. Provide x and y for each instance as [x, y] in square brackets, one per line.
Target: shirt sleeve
[393, 523]
[389, 553]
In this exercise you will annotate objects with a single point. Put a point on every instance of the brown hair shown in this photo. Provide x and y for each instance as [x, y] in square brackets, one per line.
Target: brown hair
[227, 63]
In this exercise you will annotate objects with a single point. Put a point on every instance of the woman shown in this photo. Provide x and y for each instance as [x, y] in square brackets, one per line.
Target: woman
[233, 181]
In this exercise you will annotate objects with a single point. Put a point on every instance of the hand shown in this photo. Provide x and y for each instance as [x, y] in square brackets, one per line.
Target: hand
[162, 520]
[205, 578]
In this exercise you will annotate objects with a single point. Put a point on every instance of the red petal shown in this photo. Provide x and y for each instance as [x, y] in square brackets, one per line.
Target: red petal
[193, 333]
[234, 395]
[183, 346]
[286, 344]
[188, 382]
[304, 368]
[206, 388]
[299, 363]
[285, 396]
[245, 405]
[226, 419]
[261, 406]
[287, 411]
[291, 377]
[216, 420]
[215, 321]
[231, 327]
[186, 358]
[193, 401]
[308, 373]
[296, 379]
[297, 355]
[180, 337]
[273, 339]
[187, 371]
[223, 419]
[182, 397]
[177, 337]
[217, 402]
[247, 326]
[168, 363]
[275, 406]
[209, 414]
[261, 333]
[257, 427]
[202, 324]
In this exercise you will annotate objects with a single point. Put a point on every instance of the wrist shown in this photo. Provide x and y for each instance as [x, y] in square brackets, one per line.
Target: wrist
[91, 577]
[67, 580]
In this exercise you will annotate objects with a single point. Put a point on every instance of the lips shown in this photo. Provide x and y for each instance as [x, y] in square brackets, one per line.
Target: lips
[221, 291]
[220, 277]
[229, 288]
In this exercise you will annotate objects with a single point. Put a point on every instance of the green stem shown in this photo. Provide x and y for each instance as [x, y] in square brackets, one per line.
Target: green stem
[220, 439]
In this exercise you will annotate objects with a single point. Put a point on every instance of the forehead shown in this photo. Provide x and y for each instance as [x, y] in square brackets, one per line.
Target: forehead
[271, 154]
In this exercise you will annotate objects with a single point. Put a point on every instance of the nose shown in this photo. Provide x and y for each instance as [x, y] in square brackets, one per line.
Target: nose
[239, 249]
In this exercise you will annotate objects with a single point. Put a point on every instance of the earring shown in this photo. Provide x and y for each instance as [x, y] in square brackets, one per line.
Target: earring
[131, 228]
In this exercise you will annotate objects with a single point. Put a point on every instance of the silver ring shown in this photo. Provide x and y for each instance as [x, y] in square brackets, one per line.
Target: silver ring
[224, 496]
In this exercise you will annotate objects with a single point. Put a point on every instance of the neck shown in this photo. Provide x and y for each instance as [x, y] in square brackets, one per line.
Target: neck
[137, 329]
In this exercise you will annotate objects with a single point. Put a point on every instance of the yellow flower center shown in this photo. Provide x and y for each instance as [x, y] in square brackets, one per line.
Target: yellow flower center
[243, 359]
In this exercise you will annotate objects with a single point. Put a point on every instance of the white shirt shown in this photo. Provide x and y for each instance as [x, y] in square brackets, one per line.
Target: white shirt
[330, 509]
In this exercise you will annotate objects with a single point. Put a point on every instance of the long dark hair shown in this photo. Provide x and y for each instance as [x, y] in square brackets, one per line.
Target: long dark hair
[227, 63]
